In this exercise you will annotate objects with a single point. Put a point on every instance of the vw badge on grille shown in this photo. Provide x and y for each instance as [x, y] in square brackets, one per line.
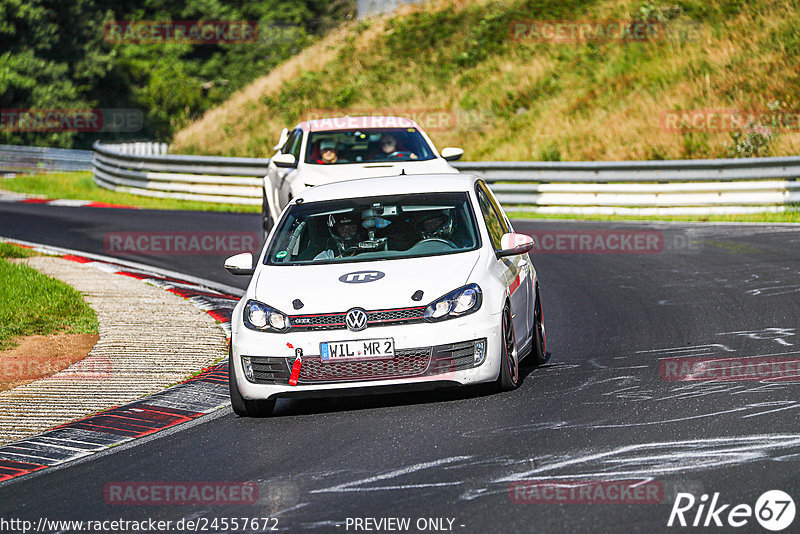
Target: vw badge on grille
[356, 319]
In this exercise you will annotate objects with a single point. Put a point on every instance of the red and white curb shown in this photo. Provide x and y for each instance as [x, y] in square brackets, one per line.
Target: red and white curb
[199, 395]
[19, 198]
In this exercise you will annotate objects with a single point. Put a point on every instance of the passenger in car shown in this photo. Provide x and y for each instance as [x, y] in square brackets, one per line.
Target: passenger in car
[328, 153]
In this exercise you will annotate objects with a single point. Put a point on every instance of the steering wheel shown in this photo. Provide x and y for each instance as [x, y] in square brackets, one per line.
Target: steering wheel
[437, 240]
[402, 154]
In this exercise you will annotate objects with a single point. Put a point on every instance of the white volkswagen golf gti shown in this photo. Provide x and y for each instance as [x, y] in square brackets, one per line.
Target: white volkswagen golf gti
[322, 151]
[378, 284]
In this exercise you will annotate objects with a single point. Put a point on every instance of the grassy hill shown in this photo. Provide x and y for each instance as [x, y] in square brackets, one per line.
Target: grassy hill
[530, 99]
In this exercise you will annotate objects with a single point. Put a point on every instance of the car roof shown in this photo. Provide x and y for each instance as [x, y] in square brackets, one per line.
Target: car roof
[390, 185]
[351, 123]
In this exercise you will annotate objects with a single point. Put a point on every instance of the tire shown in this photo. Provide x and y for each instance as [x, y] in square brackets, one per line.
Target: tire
[508, 378]
[241, 406]
[539, 350]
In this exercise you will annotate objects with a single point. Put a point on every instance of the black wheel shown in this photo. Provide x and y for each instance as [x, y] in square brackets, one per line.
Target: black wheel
[241, 406]
[539, 350]
[509, 365]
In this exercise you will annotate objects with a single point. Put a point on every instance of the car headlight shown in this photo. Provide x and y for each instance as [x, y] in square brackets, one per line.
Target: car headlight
[259, 316]
[462, 301]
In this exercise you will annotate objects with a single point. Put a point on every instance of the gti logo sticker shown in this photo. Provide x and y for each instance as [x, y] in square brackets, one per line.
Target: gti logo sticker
[361, 277]
[356, 319]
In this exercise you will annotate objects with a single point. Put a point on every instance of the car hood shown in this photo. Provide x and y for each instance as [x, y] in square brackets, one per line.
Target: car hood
[320, 290]
[312, 175]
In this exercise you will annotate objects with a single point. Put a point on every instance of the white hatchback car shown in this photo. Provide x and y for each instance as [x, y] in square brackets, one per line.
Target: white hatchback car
[383, 283]
[322, 151]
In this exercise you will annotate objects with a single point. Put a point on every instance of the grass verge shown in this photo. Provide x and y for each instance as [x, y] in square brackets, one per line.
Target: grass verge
[10, 250]
[37, 304]
[81, 186]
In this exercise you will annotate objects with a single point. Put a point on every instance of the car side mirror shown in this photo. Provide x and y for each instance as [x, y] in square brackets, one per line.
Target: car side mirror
[240, 264]
[282, 139]
[284, 161]
[512, 244]
[452, 154]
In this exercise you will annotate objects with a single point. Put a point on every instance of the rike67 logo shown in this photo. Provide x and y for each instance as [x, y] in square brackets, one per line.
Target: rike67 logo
[774, 510]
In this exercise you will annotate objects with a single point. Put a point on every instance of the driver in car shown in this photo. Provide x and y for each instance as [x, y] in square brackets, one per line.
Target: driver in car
[388, 148]
[346, 233]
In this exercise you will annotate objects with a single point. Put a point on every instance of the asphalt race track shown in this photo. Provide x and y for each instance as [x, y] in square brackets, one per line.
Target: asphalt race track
[603, 407]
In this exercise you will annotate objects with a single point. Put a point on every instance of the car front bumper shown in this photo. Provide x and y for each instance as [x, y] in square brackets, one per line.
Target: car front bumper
[426, 355]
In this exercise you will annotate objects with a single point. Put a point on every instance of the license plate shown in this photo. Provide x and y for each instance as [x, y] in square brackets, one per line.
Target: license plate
[359, 349]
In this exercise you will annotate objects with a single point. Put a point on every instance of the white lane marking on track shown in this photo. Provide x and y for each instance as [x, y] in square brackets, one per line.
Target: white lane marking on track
[354, 486]
[776, 334]
[772, 291]
[677, 456]
[290, 509]
[688, 349]
[792, 407]
[676, 420]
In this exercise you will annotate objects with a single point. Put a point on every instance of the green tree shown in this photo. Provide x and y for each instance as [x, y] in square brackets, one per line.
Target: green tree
[55, 56]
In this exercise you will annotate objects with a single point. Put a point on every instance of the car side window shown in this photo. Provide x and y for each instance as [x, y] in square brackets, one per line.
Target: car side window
[295, 148]
[504, 222]
[493, 222]
[288, 144]
[292, 145]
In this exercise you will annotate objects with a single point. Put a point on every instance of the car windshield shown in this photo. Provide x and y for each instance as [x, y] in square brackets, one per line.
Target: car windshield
[367, 145]
[374, 228]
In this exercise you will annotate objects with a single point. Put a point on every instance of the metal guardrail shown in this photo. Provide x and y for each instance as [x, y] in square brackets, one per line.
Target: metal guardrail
[725, 170]
[14, 159]
[644, 187]
[200, 178]
[641, 187]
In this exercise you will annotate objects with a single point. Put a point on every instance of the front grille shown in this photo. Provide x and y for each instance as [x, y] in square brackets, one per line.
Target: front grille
[405, 363]
[317, 322]
[335, 321]
[406, 314]
[454, 357]
[269, 370]
[423, 361]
